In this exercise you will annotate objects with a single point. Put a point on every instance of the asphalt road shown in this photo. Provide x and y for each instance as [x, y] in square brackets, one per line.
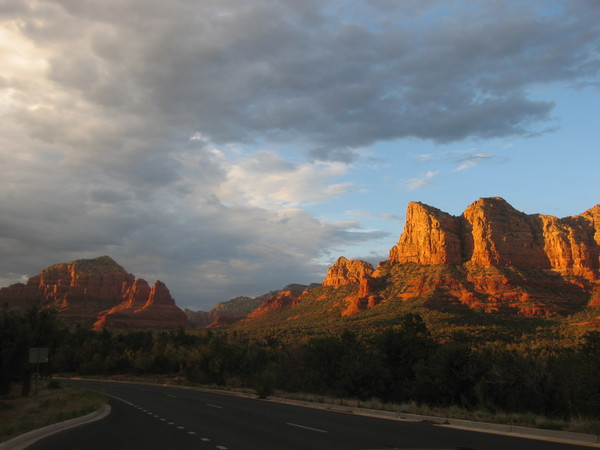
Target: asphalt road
[160, 417]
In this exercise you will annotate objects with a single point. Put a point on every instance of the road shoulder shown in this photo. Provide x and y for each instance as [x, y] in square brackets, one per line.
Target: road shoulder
[27, 439]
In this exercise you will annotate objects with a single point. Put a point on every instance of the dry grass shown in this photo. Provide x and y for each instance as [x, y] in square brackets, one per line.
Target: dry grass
[51, 405]
[577, 425]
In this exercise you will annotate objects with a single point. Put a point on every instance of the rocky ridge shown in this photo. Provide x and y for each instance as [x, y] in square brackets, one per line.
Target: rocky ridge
[288, 296]
[100, 293]
[492, 233]
[245, 308]
[503, 259]
[492, 258]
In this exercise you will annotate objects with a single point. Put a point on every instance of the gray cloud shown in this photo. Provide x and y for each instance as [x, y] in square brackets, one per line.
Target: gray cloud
[239, 71]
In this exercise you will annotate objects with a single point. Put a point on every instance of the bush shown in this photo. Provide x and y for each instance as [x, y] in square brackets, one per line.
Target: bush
[264, 383]
[54, 384]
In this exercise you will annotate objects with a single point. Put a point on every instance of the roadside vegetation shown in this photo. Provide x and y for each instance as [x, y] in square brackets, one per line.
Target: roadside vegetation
[51, 404]
[539, 378]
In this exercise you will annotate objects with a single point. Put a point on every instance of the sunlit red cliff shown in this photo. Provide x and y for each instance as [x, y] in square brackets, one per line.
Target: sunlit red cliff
[100, 293]
[492, 258]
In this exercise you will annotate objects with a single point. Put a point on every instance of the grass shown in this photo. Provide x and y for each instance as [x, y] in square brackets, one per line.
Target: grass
[576, 425]
[53, 403]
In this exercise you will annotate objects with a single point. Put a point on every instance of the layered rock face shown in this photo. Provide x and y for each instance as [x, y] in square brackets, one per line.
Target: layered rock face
[492, 258]
[349, 271]
[241, 308]
[430, 236]
[492, 233]
[100, 292]
[157, 311]
[288, 296]
[345, 271]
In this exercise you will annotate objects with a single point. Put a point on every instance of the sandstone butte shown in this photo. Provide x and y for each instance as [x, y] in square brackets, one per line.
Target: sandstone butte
[492, 258]
[100, 293]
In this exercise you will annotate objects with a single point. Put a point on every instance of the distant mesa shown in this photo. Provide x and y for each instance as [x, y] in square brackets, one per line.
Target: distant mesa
[98, 293]
[245, 308]
[288, 296]
[224, 313]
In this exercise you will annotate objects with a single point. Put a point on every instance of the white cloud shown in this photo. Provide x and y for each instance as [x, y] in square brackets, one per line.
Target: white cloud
[424, 180]
[464, 158]
[473, 159]
[266, 180]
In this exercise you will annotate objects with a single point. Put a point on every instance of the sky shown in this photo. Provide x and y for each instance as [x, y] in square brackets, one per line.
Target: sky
[231, 147]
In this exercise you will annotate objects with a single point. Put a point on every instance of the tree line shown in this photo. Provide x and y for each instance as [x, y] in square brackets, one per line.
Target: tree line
[403, 363]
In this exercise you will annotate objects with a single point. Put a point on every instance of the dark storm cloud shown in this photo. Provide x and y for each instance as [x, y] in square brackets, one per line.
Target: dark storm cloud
[242, 71]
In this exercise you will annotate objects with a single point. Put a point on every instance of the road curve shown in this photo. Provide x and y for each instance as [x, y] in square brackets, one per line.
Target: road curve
[161, 417]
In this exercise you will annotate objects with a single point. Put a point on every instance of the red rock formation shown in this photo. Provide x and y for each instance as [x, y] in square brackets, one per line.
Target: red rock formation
[430, 237]
[137, 295]
[492, 258]
[234, 310]
[92, 291]
[345, 271]
[533, 264]
[366, 297]
[492, 233]
[288, 296]
[496, 234]
[78, 290]
[158, 311]
[239, 308]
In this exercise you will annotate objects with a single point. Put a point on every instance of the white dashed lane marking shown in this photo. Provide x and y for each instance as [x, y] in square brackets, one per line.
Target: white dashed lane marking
[305, 427]
[193, 433]
[121, 400]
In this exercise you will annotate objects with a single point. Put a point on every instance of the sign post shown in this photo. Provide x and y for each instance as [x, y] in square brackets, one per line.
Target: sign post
[37, 355]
